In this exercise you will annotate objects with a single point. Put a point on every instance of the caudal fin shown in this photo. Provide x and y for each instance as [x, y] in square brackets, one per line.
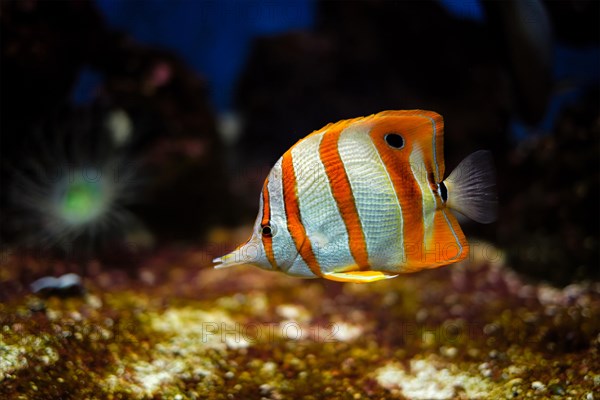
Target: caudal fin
[472, 188]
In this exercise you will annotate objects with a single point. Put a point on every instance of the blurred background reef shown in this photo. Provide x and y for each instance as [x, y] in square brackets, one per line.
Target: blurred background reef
[135, 137]
[194, 112]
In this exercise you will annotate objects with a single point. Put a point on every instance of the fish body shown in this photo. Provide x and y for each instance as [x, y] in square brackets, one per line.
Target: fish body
[364, 199]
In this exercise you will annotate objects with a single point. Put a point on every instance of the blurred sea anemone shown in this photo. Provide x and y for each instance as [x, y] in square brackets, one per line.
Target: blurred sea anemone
[72, 188]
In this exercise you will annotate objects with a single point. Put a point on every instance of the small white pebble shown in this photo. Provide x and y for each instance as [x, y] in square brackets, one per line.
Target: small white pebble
[288, 311]
[449, 352]
[265, 389]
[75, 316]
[229, 375]
[345, 332]
[269, 368]
[53, 314]
[428, 338]
[490, 329]
[514, 370]
[237, 342]
[94, 301]
[422, 315]
[485, 370]
[589, 396]
[537, 385]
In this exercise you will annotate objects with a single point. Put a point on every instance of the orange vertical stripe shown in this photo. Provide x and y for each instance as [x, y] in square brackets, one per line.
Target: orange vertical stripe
[266, 219]
[292, 211]
[342, 193]
[448, 238]
[407, 189]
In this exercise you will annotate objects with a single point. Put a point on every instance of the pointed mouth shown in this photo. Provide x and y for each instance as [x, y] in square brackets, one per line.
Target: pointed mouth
[236, 257]
[219, 262]
[248, 253]
[225, 261]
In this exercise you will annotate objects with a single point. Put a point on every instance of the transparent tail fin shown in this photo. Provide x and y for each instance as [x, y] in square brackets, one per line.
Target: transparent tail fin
[472, 188]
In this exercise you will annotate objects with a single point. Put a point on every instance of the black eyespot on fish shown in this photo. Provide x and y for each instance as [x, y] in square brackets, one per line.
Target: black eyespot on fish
[394, 140]
[267, 231]
[443, 190]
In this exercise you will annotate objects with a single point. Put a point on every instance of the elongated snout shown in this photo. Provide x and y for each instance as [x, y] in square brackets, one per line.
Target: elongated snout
[248, 253]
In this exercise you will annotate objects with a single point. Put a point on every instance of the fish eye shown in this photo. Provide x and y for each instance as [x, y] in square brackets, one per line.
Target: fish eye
[394, 140]
[267, 230]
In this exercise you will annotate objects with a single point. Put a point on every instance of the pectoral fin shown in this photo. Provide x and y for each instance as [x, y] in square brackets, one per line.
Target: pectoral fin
[358, 276]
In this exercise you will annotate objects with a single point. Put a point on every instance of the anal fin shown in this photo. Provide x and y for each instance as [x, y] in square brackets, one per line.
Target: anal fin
[358, 276]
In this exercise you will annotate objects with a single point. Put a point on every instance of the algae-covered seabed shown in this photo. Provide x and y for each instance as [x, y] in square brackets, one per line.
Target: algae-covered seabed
[176, 329]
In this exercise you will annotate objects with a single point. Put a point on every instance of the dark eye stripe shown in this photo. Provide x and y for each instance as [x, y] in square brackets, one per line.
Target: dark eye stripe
[267, 239]
[267, 231]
